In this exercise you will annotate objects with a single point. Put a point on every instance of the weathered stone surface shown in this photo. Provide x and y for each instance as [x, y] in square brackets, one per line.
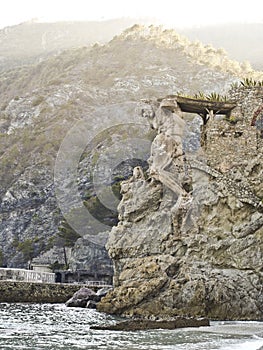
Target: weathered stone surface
[89, 254]
[190, 237]
[127, 297]
[26, 292]
[80, 298]
[86, 297]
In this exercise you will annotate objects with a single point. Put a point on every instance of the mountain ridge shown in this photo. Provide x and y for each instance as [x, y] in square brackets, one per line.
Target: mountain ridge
[32, 41]
[242, 41]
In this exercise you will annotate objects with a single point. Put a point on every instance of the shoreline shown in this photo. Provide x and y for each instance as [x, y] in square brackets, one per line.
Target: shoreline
[60, 293]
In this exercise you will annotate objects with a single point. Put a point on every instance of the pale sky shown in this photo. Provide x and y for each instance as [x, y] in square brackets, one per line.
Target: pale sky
[174, 13]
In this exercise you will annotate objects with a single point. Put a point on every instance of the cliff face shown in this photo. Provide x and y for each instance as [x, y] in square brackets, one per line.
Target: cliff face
[190, 236]
[41, 104]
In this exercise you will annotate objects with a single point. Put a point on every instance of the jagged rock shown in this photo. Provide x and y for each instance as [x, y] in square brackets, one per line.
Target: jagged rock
[55, 254]
[89, 254]
[189, 241]
[81, 297]
[128, 296]
[86, 297]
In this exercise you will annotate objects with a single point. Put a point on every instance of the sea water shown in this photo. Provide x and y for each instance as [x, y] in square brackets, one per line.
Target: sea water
[47, 326]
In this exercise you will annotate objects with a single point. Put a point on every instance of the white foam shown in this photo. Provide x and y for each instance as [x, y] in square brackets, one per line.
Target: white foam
[247, 345]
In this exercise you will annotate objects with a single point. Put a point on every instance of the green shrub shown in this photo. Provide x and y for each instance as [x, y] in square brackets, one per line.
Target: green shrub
[67, 234]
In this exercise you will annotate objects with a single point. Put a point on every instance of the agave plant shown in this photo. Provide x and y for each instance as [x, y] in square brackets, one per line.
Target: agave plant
[249, 82]
[213, 96]
[200, 96]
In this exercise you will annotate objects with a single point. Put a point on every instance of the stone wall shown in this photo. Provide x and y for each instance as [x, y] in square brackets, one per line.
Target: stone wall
[234, 147]
[8, 274]
[228, 143]
[232, 141]
[26, 292]
[248, 99]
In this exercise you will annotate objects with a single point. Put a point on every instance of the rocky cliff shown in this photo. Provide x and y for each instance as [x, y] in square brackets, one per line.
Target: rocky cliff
[190, 236]
[41, 105]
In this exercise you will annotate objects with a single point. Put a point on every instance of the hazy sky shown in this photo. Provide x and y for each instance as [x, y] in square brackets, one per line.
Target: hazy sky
[171, 12]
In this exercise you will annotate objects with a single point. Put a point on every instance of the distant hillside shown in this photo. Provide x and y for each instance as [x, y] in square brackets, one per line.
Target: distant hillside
[139, 61]
[241, 41]
[30, 41]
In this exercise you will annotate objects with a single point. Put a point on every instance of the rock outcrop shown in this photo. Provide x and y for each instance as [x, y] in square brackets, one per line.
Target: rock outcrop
[190, 237]
[81, 298]
[86, 297]
[90, 255]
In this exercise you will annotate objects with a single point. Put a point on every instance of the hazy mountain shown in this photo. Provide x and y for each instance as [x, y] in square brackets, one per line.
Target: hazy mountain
[32, 41]
[39, 104]
[241, 41]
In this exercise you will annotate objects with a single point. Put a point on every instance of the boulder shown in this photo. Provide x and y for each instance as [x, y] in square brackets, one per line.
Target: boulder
[81, 297]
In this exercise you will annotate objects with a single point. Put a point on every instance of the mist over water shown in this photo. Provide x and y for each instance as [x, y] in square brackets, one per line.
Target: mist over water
[46, 326]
